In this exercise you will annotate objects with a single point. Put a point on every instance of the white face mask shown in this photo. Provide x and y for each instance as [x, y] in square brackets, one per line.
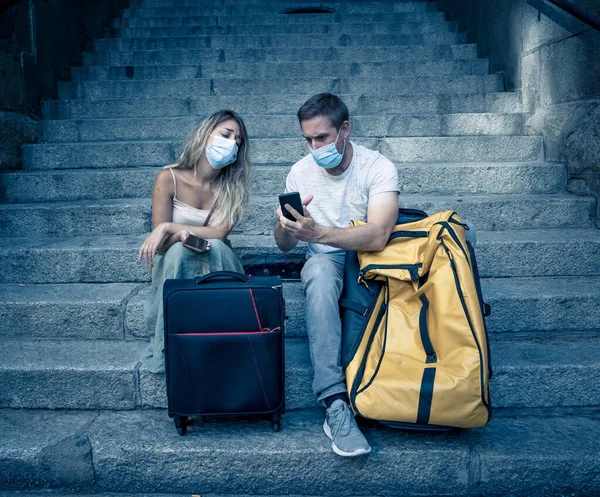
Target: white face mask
[221, 152]
[327, 156]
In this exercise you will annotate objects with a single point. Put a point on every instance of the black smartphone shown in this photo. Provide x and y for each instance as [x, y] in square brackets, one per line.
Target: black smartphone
[195, 243]
[292, 199]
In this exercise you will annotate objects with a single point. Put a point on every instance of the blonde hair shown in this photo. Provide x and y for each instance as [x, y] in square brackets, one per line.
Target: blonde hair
[231, 187]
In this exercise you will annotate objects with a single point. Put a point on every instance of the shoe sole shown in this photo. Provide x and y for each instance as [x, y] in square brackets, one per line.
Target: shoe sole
[339, 452]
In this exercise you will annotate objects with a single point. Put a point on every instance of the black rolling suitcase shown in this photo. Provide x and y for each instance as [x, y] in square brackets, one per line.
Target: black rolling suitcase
[224, 347]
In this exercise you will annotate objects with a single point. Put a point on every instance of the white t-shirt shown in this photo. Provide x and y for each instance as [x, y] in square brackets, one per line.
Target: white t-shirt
[340, 199]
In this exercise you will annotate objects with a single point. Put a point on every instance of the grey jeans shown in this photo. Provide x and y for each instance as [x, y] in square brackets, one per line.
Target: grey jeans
[322, 279]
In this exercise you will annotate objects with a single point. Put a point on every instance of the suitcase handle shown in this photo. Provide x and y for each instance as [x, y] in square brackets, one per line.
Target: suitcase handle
[231, 275]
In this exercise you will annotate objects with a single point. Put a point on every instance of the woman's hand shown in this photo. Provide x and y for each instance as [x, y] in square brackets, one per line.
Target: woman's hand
[149, 248]
[184, 235]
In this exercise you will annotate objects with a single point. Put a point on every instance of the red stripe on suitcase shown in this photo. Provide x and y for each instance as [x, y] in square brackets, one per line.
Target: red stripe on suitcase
[262, 332]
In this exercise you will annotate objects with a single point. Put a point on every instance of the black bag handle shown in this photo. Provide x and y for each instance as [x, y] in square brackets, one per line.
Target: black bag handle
[230, 275]
[410, 215]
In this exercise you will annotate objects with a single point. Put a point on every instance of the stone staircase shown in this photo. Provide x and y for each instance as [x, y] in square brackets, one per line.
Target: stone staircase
[78, 413]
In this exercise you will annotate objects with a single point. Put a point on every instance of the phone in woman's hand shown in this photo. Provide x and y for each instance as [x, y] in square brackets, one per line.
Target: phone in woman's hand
[195, 243]
[292, 199]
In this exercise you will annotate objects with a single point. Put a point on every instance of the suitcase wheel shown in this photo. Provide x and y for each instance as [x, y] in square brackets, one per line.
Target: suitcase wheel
[276, 421]
[181, 423]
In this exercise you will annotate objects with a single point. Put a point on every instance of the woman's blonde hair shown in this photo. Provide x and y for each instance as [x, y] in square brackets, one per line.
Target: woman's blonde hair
[231, 188]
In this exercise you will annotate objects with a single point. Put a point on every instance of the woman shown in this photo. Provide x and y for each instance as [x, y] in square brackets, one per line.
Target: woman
[203, 194]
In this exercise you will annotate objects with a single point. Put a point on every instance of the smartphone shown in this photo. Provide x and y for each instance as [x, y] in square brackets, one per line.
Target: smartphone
[195, 243]
[292, 199]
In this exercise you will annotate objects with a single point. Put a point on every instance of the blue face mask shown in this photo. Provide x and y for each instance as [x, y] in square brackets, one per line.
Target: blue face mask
[327, 156]
[221, 152]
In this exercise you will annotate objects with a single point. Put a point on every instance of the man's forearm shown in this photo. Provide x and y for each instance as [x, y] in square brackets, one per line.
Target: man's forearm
[364, 238]
[285, 241]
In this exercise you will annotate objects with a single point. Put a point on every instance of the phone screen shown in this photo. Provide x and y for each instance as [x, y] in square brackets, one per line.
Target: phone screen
[292, 199]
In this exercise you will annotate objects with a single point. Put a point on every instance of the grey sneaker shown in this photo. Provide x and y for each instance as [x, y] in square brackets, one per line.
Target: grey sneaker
[346, 437]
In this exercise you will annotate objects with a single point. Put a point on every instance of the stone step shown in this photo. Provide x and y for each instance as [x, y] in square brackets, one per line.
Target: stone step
[97, 374]
[441, 34]
[539, 308]
[505, 102]
[275, 11]
[441, 178]
[205, 25]
[399, 23]
[280, 150]
[113, 259]
[133, 216]
[264, 70]
[190, 50]
[141, 452]
[285, 126]
[165, 28]
[413, 86]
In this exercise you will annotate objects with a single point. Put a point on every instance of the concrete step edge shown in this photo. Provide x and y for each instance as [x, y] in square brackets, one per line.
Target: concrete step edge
[103, 447]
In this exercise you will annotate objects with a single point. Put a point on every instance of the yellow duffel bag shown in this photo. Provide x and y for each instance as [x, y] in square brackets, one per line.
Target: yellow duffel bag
[418, 354]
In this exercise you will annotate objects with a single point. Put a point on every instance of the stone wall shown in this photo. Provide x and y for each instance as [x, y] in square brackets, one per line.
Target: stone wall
[38, 48]
[553, 59]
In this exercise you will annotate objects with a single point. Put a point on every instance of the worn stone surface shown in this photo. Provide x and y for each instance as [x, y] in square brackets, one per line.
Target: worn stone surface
[279, 104]
[553, 456]
[519, 305]
[441, 178]
[57, 374]
[582, 144]
[64, 311]
[281, 69]
[141, 452]
[133, 216]
[284, 126]
[397, 85]
[543, 24]
[15, 130]
[562, 75]
[296, 459]
[557, 372]
[403, 24]
[189, 50]
[286, 150]
[538, 307]
[114, 259]
[571, 134]
[45, 449]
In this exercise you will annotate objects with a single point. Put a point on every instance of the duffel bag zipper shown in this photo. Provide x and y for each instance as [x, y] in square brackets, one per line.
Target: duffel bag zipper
[413, 269]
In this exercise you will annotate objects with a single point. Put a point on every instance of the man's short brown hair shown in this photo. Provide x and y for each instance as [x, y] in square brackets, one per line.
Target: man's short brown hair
[325, 104]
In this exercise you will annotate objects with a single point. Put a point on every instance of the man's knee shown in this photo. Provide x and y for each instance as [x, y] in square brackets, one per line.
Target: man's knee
[319, 268]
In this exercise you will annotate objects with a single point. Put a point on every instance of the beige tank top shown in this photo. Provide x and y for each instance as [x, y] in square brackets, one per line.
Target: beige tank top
[184, 213]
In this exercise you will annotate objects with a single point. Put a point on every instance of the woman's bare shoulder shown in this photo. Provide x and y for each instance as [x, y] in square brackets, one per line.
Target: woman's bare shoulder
[164, 180]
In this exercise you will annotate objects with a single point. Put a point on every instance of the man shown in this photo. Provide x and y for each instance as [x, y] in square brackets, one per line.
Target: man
[339, 181]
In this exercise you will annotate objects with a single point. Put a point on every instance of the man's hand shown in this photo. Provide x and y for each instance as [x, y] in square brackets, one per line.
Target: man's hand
[304, 227]
[305, 202]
